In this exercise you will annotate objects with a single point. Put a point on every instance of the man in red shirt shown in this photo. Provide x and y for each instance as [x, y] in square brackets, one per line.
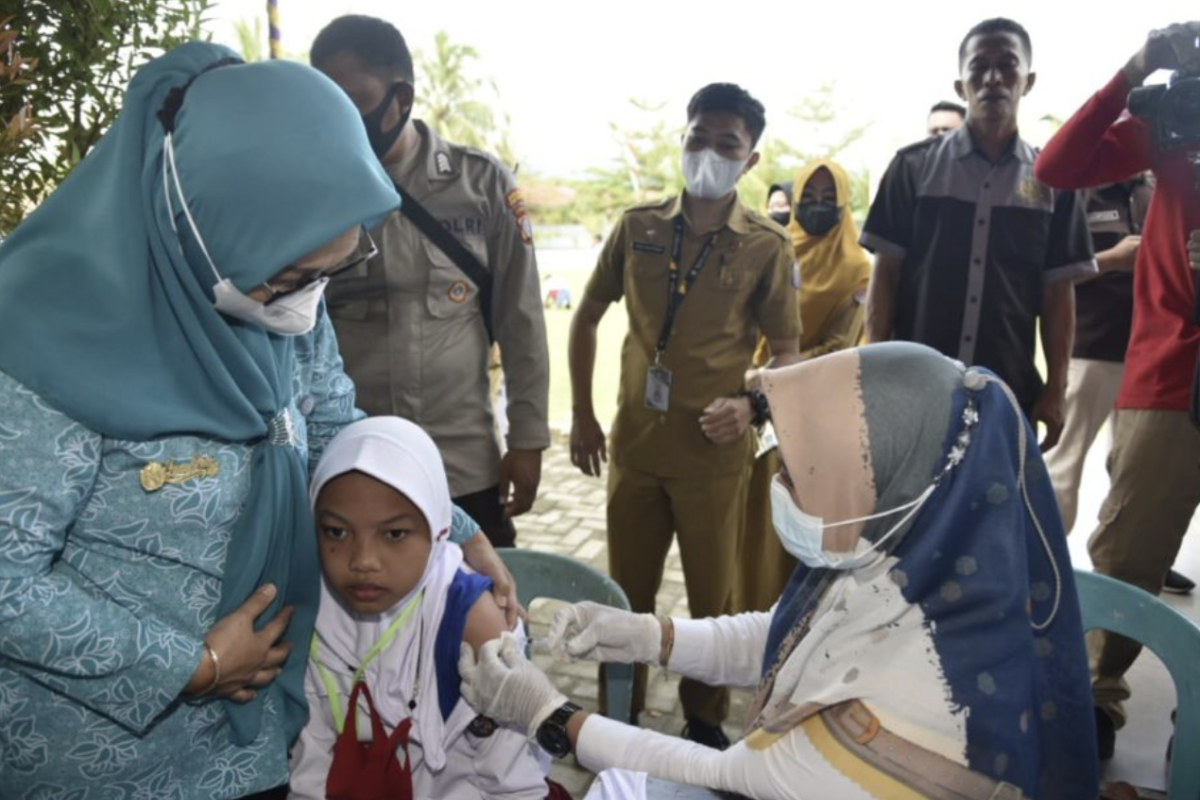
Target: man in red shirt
[1156, 452]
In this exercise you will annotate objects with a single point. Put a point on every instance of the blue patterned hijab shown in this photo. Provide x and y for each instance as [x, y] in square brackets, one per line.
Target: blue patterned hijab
[985, 559]
[107, 310]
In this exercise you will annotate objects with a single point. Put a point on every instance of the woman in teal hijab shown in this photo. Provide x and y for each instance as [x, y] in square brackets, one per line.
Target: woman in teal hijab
[157, 555]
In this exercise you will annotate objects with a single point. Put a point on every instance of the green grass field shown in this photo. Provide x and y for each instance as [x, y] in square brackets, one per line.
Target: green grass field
[574, 268]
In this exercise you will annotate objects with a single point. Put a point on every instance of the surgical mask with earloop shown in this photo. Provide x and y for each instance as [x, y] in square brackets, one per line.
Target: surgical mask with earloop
[802, 534]
[710, 176]
[294, 314]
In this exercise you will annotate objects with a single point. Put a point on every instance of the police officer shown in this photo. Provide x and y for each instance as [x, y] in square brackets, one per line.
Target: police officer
[415, 324]
[701, 276]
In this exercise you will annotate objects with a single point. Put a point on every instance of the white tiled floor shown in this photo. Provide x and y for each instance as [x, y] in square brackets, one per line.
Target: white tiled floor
[1142, 743]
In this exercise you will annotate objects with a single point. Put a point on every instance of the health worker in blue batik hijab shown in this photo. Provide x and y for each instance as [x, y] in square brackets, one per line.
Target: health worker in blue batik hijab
[929, 644]
[168, 378]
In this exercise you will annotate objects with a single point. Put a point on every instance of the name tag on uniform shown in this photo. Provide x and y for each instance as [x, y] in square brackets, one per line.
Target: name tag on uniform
[1104, 216]
[658, 388]
[646, 247]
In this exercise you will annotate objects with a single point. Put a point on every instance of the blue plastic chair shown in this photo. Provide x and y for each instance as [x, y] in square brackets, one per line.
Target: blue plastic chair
[1114, 606]
[555, 577]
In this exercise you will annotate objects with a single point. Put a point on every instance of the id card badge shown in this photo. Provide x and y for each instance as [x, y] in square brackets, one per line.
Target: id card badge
[658, 388]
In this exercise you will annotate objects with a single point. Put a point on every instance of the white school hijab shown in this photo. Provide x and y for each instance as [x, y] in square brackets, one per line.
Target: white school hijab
[401, 455]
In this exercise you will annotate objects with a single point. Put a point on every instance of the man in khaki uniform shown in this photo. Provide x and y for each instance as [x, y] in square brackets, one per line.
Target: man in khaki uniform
[410, 324]
[701, 276]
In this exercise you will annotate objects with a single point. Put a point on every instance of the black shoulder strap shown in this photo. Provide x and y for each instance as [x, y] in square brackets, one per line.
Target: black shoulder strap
[461, 256]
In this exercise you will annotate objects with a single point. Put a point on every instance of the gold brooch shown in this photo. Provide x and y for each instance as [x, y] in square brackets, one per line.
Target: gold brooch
[155, 475]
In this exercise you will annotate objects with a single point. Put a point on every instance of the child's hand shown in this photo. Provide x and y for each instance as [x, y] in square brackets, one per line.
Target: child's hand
[482, 557]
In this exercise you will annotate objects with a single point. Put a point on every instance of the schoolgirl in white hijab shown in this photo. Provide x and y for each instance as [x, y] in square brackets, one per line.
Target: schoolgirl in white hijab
[381, 501]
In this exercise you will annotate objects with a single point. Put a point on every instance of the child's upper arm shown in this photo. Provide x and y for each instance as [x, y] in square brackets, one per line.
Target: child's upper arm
[485, 621]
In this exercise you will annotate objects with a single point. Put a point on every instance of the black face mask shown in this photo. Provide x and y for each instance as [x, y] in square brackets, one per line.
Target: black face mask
[782, 218]
[818, 219]
[381, 140]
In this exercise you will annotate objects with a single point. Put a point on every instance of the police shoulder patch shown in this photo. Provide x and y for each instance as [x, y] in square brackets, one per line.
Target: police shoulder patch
[515, 200]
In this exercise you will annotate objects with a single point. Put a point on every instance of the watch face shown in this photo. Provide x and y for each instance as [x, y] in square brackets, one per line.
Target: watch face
[553, 739]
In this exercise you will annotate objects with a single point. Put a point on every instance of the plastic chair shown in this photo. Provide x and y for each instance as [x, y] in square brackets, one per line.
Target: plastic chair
[556, 577]
[1114, 606]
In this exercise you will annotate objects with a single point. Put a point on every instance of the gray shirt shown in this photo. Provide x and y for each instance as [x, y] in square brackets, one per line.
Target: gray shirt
[410, 326]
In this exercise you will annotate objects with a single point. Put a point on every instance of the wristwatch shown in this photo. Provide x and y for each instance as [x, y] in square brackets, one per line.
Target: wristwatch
[552, 733]
[759, 408]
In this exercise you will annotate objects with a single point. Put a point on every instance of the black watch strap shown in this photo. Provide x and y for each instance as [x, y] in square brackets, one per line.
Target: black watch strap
[759, 408]
[552, 733]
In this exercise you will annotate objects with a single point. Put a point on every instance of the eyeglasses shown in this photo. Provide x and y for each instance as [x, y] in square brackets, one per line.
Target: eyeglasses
[365, 251]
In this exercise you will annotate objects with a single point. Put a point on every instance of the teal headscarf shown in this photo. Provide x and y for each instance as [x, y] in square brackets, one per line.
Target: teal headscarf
[107, 311]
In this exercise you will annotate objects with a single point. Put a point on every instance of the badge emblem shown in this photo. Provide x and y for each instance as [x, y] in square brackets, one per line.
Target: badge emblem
[458, 292]
[515, 200]
[1031, 191]
[156, 475]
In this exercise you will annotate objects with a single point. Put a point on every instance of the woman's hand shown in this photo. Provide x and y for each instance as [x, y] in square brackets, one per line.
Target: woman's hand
[247, 659]
[601, 633]
[504, 685]
[483, 558]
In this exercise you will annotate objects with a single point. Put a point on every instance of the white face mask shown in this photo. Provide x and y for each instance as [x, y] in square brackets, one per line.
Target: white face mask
[803, 534]
[294, 314]
[708, 175]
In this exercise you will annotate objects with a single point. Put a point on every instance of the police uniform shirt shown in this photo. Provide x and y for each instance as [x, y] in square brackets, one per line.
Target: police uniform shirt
[745, 287]
[978, 242]
[409, 323]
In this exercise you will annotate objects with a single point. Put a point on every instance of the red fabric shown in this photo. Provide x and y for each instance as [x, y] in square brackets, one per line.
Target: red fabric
[369, 770]
[1099, 145]
[557, 792]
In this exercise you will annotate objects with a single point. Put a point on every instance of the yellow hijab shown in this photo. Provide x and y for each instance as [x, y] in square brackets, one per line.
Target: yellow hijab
[832, 267]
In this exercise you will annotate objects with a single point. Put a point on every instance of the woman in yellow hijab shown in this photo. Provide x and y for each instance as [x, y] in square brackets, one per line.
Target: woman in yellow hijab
[834, 272]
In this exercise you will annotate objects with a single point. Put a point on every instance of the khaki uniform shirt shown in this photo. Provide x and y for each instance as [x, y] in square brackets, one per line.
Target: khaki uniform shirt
[410, 326]
[746, 287]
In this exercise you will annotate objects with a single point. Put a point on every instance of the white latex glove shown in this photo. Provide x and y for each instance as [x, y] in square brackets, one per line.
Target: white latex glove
[504, 685]
[602, 633]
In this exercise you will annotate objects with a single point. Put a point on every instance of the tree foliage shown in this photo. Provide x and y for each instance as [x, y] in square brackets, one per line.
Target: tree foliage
[456, 104]
[79, 57]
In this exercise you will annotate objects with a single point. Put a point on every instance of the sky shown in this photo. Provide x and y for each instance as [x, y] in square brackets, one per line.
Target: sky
[565, 70]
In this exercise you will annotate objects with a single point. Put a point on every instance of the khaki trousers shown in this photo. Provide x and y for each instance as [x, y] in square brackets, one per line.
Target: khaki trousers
[1091, 392]
[764, 566]
[644, 513]
[1155, 471]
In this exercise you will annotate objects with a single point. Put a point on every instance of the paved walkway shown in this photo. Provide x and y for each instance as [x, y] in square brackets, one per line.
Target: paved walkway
[568, 518]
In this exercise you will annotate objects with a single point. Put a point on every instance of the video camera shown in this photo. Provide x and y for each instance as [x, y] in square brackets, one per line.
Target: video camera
[1173, 109]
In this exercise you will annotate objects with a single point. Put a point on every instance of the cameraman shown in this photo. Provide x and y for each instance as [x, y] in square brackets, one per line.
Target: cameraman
[1155, 486]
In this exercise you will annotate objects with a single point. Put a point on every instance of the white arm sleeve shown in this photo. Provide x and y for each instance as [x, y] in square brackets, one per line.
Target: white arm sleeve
[790, 769]
[721, 651]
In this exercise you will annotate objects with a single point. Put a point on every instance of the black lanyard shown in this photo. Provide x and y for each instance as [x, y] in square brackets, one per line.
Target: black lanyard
[676, 291]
